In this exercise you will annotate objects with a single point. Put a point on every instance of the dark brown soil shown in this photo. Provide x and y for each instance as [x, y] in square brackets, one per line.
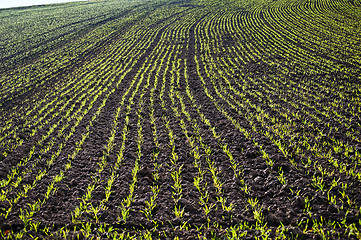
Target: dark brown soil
[268, 85]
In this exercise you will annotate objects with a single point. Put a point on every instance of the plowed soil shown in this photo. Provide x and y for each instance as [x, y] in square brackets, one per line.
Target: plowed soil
[278, 122]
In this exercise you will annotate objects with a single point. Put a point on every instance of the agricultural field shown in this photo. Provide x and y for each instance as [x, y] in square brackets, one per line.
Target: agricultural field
[181, 119]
